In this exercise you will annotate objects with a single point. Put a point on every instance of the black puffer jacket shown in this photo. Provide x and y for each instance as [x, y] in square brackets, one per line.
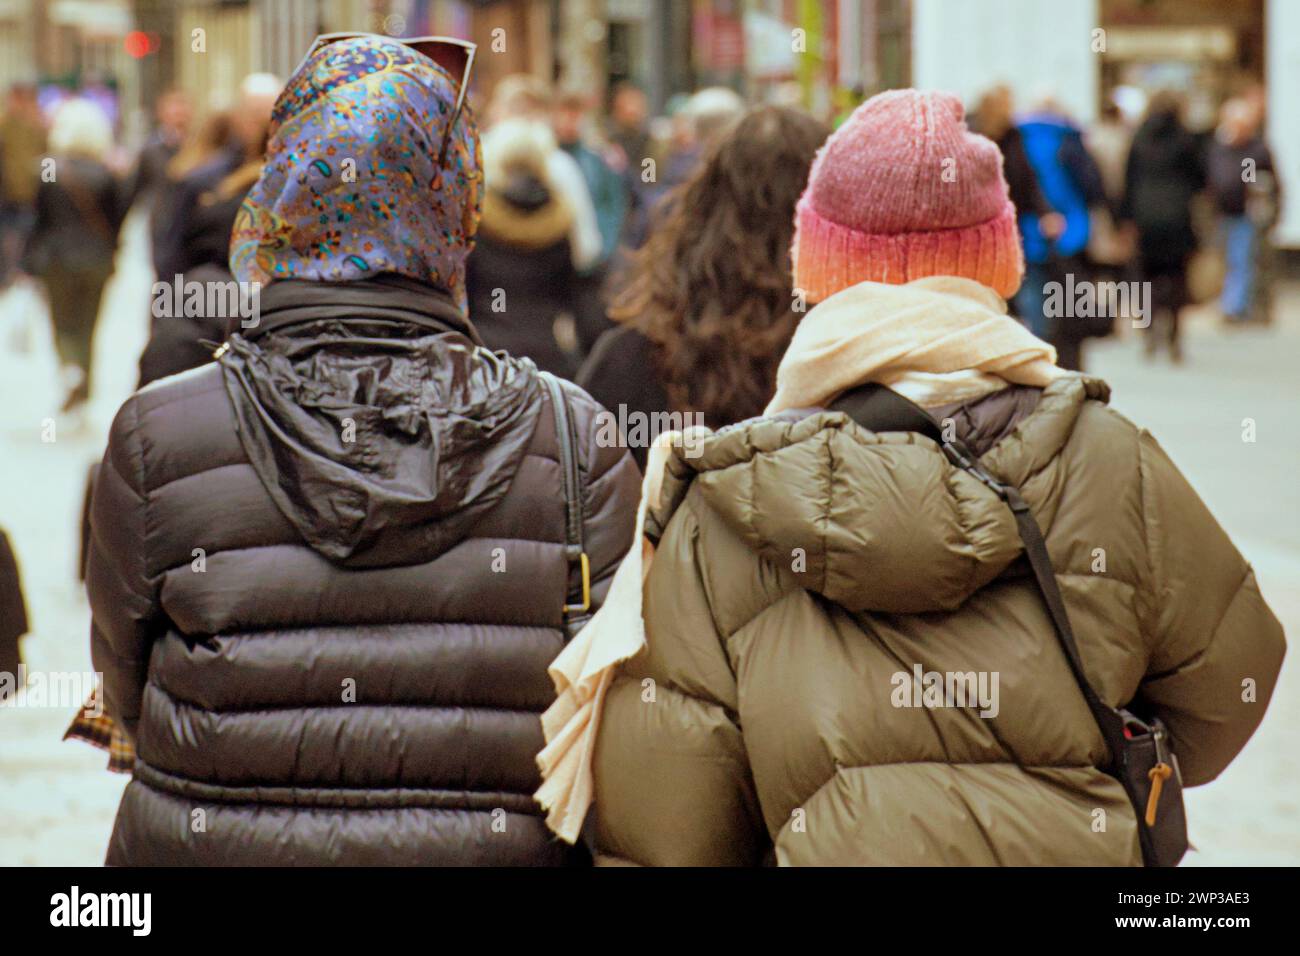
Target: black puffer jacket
[336, 649]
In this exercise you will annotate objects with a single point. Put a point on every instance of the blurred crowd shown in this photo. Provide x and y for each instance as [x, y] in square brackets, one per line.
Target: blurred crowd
[574, 192]
[1138, 196]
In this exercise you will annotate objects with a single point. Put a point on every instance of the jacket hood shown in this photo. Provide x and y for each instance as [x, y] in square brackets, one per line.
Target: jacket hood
[525, 191]
[862, 517]
[378, 426]
[525, 212]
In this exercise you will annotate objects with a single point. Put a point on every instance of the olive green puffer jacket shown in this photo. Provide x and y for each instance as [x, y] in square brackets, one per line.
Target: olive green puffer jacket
[811, 567]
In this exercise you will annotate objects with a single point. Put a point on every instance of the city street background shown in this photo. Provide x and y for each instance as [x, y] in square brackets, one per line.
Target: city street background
[57, 801]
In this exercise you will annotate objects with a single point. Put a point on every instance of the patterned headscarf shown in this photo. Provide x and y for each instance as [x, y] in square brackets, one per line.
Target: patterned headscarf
[351, 187]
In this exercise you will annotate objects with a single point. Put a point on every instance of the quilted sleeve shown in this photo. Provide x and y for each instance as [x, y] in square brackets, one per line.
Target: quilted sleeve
[672, 779]
[123, 597]
[1217, 647]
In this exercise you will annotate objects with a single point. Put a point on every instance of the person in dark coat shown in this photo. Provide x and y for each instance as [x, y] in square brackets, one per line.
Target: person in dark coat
[193, 242]
[149, 178]
[1164, 172]
[328, 572]
[72, 244]
[213, 153]
[709, 309]
[186, 339]
[521, 277]
[994, 118]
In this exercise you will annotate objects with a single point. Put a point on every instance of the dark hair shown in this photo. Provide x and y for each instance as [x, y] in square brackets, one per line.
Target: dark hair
[712, 286]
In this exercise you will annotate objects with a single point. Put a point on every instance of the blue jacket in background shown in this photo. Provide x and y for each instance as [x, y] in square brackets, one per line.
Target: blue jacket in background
[1069, 180]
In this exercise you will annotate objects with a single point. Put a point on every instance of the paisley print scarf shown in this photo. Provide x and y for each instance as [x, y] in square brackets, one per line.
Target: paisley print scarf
[351, 187]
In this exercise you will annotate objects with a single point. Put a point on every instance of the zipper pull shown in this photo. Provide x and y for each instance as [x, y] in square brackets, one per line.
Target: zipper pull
[1158, 775]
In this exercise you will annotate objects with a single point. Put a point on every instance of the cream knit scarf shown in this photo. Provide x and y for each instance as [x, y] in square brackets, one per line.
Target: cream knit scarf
[936, 340]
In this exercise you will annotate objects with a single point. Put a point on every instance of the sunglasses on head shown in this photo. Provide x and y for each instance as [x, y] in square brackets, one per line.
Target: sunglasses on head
[453, 55]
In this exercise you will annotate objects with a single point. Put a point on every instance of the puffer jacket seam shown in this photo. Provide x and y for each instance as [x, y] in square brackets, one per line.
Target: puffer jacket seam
[699, 568]
[303, 545]
[840, 768]
[243, 462]
[962, 507]
[927, 712]
[970, 763]
[1213, 632]
[783, 596]
[826, 514]
[176, 784]
[168, 392]
[384, 705]
[140, 490]
[1149, 598]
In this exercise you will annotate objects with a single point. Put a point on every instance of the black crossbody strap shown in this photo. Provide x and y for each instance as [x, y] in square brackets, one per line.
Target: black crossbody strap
[578, 598]
[882, 409]
[1108, 718]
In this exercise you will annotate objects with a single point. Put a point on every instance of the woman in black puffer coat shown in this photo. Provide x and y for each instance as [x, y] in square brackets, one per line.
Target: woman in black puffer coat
[1164, 172]
[521, 278]
[328, 572]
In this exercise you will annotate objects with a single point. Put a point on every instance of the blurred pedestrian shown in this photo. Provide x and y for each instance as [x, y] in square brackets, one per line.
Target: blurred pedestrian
[209, 153]
[1165, 170]
[523, 97]
[629, 111]
[708, 308]
[22, 148]
[708, 113]
[380, 509]
[173, 114]
[994, 118]
[1247, 196]
[1110, 248]
[703, 117]
[571, 122]
[811, 576]
[210, 180]
[196, 230]
[1071, 183]
[521, 278]
[74, 237]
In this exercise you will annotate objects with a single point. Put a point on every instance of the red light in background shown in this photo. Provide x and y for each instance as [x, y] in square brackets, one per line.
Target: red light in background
[137, 44]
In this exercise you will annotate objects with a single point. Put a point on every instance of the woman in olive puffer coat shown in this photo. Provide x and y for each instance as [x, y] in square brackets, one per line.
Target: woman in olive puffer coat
[811, 576]
[329, 570]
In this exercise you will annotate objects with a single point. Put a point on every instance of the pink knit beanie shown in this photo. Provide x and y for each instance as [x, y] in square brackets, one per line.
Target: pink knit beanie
[904, 190]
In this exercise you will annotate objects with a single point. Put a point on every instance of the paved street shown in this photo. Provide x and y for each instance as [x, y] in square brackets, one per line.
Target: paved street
[57, 802]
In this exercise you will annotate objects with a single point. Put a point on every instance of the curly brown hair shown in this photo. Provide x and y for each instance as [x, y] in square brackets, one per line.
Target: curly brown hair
[712, 286]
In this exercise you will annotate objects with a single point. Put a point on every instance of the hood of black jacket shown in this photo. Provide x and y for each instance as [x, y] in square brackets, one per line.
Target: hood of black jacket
[374, 419]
